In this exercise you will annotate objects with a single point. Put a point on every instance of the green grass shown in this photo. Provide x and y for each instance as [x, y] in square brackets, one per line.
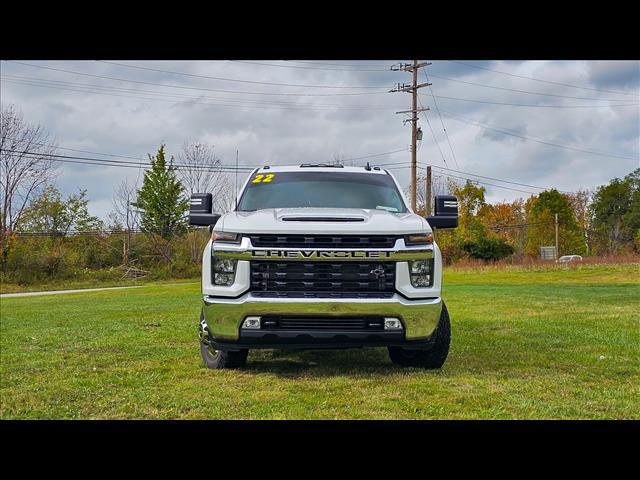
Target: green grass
[526, 344]
[72, 284]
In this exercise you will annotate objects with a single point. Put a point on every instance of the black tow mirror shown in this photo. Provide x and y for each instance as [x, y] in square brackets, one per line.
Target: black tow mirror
[445, 212]
[200, 210]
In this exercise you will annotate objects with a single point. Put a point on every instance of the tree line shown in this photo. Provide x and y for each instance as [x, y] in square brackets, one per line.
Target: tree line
[45, 235]
[603, 221]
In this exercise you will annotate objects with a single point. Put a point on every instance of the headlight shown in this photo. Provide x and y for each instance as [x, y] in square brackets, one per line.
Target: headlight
[223, 271]
[224, 265]
[421, 273]
[418, 239]
[227, 237]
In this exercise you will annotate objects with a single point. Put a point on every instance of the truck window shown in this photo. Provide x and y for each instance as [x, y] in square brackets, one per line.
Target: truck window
[321, 190]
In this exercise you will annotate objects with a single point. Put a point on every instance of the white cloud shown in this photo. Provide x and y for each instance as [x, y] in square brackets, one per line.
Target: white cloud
[266, 133]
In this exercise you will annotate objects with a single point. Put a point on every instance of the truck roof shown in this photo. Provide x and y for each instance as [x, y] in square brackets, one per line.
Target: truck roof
[308, 167]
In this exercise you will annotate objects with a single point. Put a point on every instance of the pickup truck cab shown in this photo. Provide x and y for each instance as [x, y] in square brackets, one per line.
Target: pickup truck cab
[321, 256]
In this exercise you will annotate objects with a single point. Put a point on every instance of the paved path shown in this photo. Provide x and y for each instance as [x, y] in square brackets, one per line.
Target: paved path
[56, 292]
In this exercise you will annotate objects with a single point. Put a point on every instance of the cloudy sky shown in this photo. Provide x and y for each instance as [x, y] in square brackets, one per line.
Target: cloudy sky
[563, 124]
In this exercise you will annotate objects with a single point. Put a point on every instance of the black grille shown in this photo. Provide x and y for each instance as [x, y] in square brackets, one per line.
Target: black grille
[325, 241]
[344, 278]
[277, 322]
[309, 294]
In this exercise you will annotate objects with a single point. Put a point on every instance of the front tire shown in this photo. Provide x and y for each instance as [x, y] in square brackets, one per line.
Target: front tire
[432, 358]
[218, 359]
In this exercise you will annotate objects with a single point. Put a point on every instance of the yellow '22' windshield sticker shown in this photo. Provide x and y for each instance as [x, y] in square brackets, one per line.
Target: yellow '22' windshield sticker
[263, 178]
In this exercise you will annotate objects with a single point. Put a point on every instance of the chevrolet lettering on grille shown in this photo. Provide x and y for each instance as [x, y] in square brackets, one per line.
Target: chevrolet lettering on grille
[317, 254]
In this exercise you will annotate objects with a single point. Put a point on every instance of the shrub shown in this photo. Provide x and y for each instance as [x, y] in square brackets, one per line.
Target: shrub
[488, 249]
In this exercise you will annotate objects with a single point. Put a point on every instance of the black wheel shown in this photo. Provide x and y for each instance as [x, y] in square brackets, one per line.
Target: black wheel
[215, 359]
[432, 358]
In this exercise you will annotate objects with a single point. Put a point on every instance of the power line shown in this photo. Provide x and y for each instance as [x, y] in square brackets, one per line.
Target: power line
[314, 68]
[544, 142]
[106, 162]
[533, 105]
[194, 100]
[180, 95]
[331, 64]
[523, 91]
[194, 88]
[486, 183]
[236, 80]
[376, 154]
[544, 81]
[41, 82]
[137, 230]
[433, 133]
[93, 233]
[218, 168]
[82, 151]
[440, 116]
[518, 225]
[405, 165]
[118, 163]
[498, 179]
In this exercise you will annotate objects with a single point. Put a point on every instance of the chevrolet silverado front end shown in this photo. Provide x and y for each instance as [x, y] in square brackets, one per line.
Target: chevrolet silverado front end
[322, 257]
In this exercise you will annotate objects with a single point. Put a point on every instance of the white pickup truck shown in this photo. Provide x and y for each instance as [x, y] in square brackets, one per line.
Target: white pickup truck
[322, 256]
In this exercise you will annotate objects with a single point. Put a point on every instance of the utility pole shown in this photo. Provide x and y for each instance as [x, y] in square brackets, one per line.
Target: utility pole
[556, 236]
[427, 192]
[413, 89]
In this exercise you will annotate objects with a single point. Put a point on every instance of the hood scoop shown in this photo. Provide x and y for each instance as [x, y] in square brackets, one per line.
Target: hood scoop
[322, 219]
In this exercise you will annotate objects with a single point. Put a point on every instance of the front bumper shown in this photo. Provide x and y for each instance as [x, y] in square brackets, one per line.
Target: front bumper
[222, 319]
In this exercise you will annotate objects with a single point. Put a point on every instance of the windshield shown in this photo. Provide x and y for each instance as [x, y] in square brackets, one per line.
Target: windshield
[323, 190]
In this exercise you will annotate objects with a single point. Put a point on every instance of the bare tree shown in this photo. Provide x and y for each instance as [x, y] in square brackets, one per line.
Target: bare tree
[580, 202]
[198, 167]
[124, 213]
[26, 165]
[224, 198]
[199, 170]
[439, 186]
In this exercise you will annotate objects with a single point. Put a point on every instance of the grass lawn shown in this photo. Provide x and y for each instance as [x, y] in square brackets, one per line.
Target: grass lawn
[72, 284]
[526, 344]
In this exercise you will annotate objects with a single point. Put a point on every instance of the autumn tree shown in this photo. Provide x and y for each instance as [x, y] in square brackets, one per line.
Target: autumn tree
[506, 221]
[51, 214]
[54, 219]
[540, 212]
[471, 203]
[615, 212]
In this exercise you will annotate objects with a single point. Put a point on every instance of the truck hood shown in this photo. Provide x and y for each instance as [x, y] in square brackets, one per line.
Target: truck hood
[344, 221]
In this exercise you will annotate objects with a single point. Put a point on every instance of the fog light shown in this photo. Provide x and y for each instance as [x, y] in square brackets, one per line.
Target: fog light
[392, 324]
[252, 323]
[421, 281]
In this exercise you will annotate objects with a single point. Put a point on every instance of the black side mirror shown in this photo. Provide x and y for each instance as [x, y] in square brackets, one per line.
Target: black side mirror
[445, 212]
[200, 210]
